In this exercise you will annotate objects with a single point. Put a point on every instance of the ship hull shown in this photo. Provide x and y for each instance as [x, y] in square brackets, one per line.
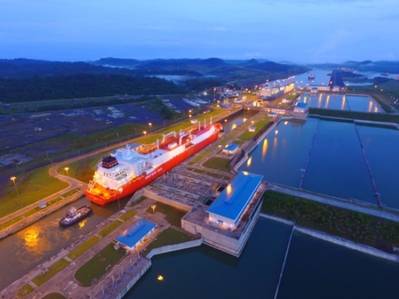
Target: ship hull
[144, 180]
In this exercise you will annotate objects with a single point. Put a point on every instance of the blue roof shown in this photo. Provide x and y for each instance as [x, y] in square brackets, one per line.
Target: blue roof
[301, 105]
[231, 147]
[136, 233]
[235, 197]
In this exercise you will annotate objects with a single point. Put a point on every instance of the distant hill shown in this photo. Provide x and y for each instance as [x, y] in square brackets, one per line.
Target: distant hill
[35, 80]
[24, 68]
[80, 86]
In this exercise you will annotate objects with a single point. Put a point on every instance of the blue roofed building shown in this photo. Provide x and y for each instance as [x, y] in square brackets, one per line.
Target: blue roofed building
[136, 235]
[230, 206]
[231, 149]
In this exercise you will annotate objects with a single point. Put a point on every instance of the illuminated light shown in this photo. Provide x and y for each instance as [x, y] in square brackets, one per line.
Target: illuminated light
[153, 207]
[244, 119]
[160, 277]
[31, 237]
[225, 120]
[13, 179]
[82, 223]
[249, 162]
[219, 146]
[233, 126]
[286, 122]
[276, 132]
[265, 145]
[229, 189]
[245, 172]
[66, 169]
[145, 132]
[150, 124]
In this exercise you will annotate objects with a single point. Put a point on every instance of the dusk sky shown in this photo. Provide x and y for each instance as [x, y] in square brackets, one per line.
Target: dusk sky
[284, 30]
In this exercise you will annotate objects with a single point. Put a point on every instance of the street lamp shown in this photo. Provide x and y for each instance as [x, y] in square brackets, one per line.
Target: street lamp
[145, 133]
[13, 180]
[153, 208]
[66, 169]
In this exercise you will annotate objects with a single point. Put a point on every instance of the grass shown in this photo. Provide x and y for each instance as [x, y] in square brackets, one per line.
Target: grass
[212, 174]
[54, 296]
[25, 290]
[260, 125]
[97, 266]
[172, 215]
[218, 163]
[70, 192]
[110, 228]
[351, 225]
[382, 117]
[51, 271]
[169, 236]
[83, 247]
[32, 187]
[129, 214]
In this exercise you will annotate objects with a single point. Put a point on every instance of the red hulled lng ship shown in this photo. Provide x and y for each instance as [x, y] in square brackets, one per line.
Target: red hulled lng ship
[131, 168]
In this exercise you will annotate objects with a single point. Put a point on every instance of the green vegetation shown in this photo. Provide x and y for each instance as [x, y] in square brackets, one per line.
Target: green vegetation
[54, 296]
[70, 192]
[169, 236]
[260, 126]
[51, 271]
[210, 173]
[173, 215]
[129, 214]
[32, 187]
[351, 225]
[97, 266]
[218, 163]
[110, 228]
[83, 247]
[382, 117]
[25, 290]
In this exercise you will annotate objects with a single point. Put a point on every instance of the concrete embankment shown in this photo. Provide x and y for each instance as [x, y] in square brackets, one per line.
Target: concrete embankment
[337, 240]
[174, 247]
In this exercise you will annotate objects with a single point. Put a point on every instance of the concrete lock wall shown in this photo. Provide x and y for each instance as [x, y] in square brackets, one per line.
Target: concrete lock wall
[219, 240]
[175, 247]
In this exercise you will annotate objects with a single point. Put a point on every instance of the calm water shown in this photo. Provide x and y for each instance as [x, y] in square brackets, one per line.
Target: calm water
[318, 269]
[21, 252]
[341, 102]
[326, 157]
[206, 273]
[322, 77]
[315, 269]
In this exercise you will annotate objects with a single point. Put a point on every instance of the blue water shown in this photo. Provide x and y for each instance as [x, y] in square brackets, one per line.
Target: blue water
[336, 164]
[382, 151]
[341, 102]
[325, 156]
[206, 273]
[314, 269]
[318, 269]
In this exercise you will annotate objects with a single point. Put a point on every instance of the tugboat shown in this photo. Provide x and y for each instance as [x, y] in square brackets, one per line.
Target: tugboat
[74, 215]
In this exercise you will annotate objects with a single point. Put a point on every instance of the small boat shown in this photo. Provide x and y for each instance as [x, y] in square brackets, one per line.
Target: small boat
[74, 215]
[311, 77]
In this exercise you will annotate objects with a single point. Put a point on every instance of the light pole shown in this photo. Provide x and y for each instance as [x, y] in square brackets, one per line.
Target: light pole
[150, 126]
[66, 169]
[13, 179]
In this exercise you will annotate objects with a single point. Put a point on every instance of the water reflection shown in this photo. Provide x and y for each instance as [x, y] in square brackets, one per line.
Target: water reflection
[31, 238]
[265, 145]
